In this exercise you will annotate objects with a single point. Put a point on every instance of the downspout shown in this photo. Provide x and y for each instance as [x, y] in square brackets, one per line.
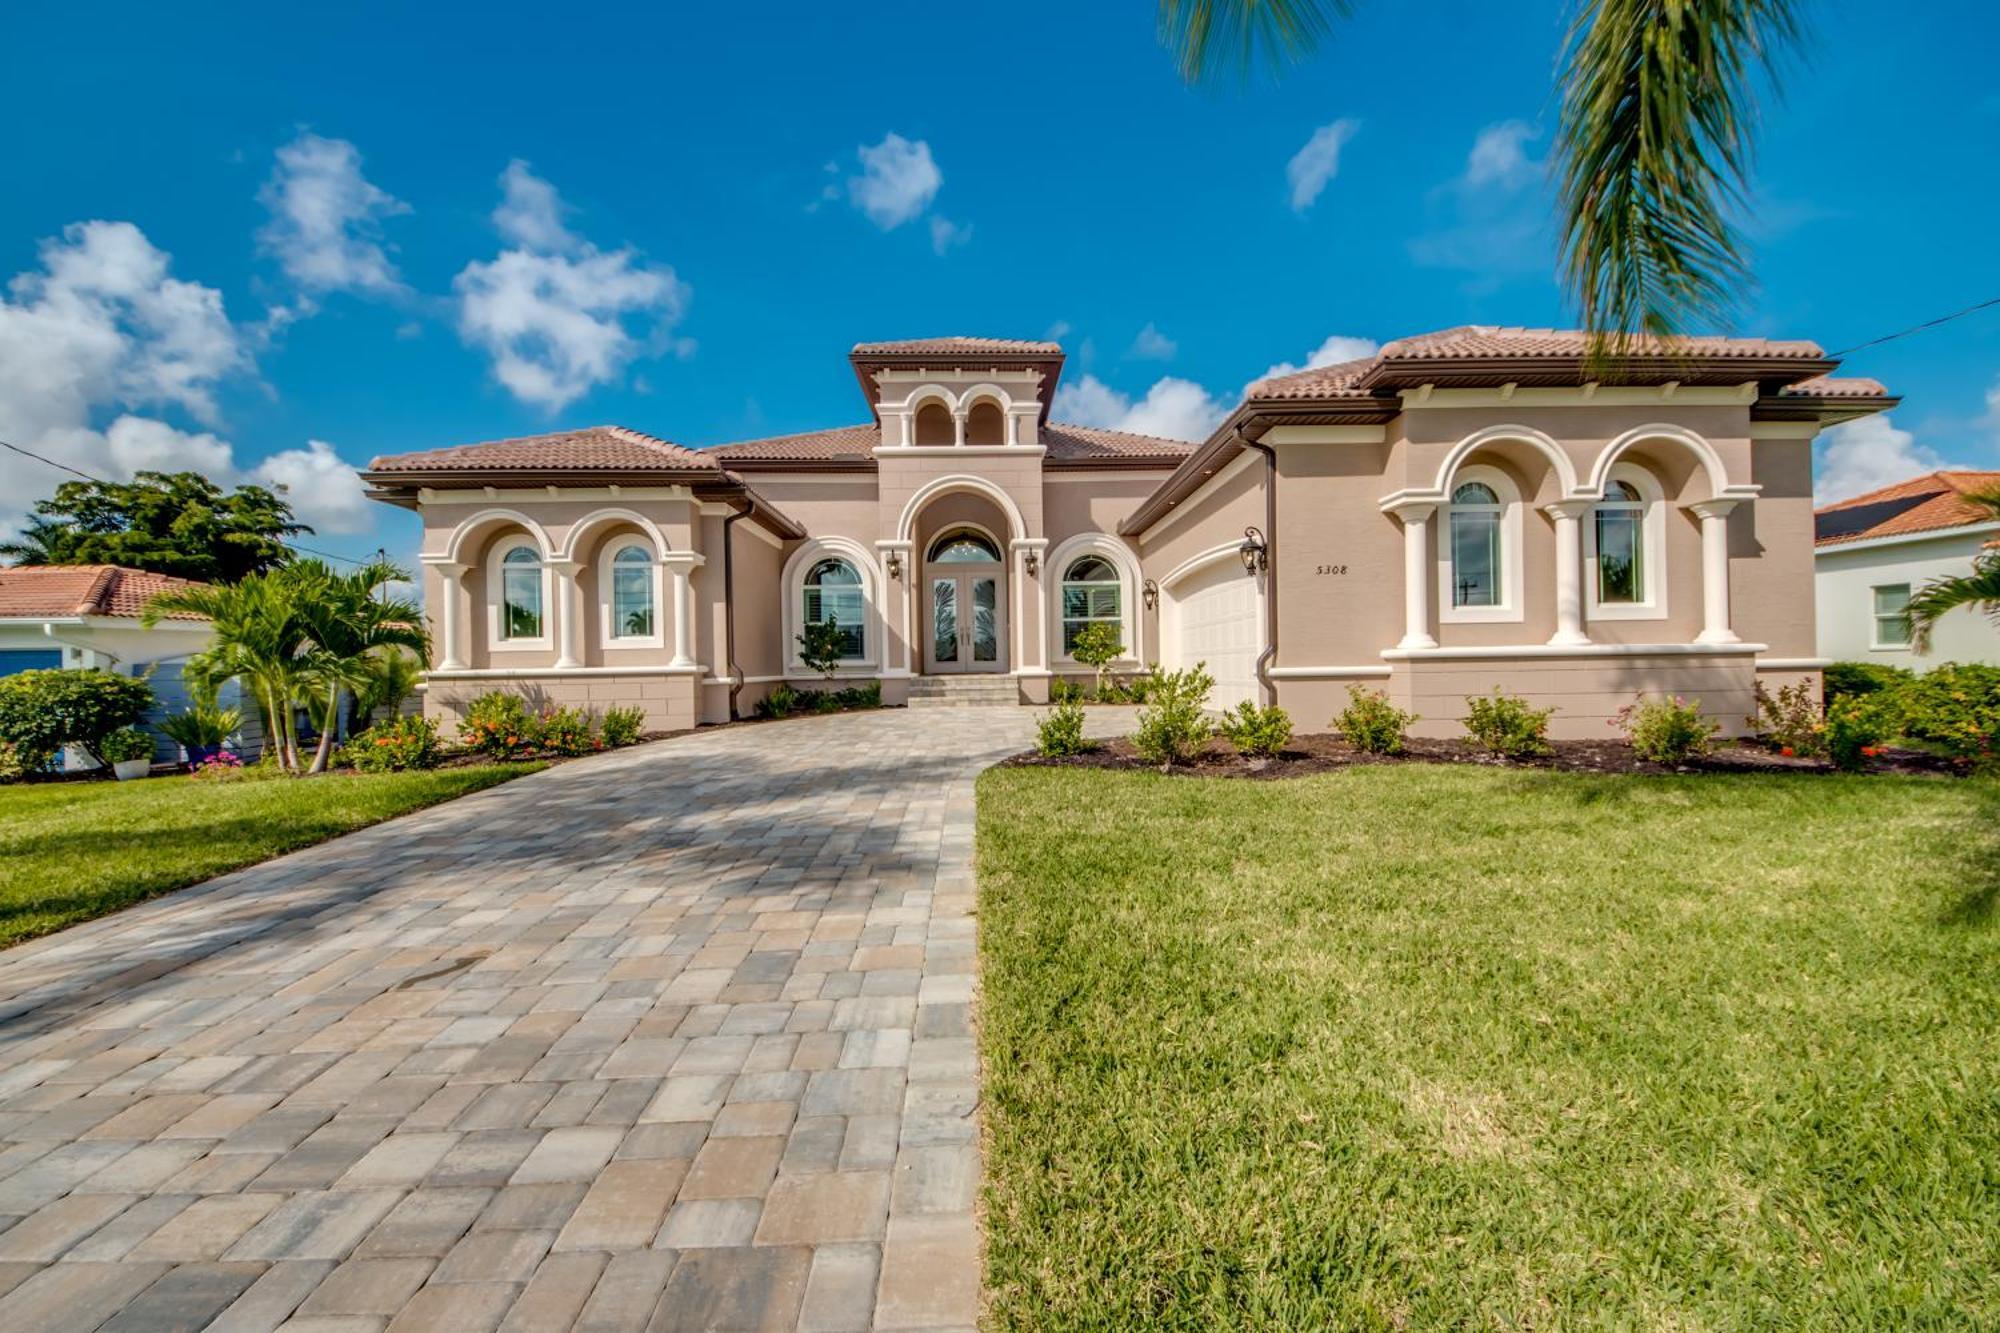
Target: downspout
[1269, 656]
[729, 603]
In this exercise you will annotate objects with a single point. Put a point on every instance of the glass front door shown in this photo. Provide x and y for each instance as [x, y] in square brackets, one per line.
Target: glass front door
[965, 622]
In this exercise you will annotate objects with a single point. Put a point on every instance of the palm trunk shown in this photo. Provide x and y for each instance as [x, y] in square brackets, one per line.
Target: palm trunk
[326, 729]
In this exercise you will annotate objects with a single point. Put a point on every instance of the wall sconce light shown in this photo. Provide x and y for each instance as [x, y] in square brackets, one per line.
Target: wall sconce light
[1150, 594]
[1034, 563]
[1256, 556]
[895, 563]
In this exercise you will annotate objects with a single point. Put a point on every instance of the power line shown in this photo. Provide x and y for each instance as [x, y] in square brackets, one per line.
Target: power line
[1918, 328]
[42, 458]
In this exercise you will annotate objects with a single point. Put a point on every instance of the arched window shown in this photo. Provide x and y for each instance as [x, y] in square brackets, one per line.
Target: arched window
[986, 423]
[1476, 548]
[632, 610]
[934, 425]
[1091, 594]
[521, 594]
[1619, 526]
[833, 596]
[963, 548]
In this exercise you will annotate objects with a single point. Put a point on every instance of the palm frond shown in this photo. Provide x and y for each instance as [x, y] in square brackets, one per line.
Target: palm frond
[1980, 589]
[1207, 35]
[1653, 154]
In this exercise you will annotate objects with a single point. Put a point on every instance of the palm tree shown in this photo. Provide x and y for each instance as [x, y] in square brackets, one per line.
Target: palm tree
[1652, 152]
[349, 627]
[259, 637]
[1980, 588]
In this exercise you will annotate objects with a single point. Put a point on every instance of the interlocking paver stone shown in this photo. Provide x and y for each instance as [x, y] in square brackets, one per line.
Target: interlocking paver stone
[702, 1006]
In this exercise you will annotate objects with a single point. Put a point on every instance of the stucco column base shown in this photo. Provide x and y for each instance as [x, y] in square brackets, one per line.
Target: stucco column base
[1568, 516]
[1714, 516]
[451, 617]
[569, 600]
[1416, 520]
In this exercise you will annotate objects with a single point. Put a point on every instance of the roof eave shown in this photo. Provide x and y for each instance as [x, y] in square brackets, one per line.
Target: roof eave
[1827, 410]
[1479, 372]
[865, 362]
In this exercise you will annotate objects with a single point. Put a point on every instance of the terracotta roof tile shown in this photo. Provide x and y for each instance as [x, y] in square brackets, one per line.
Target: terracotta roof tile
[29, 591]
[1932, 502]
[1826, 386]
[591, 449]
[1065, 444]
[957, 345]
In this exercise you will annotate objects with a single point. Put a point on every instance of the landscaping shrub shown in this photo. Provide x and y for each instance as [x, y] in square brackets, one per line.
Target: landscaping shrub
[1257, 733]
[1097, 646]
[1061, 732]
[1174, 725]
[1667, 730]
[1792, 719]
[820, 646]
[1955, 707]
[202, 729]
[11, 767]
[1860, 678]
[392, 747]
[125, 744]
[569, 731]
[1065, 691]
[1856, 726]
[621, 725]
[779, 702]
[42, 711]
[1504, 724]
[498, 725]
[865, 695]
[1371, 723]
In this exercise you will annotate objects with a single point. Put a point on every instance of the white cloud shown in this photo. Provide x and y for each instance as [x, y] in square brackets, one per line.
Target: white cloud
[556, 314]
[326, 220]
[898, 180]
[1314, 165]
[1861, 456]
[1499, 156]
[1337, 348]
[1489, 219]
[102, 332]
[1152, 345]
[1175, 409]
[946, 234]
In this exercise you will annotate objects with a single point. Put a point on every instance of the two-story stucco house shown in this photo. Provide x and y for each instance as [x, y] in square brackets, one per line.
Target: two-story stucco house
[1471, 509]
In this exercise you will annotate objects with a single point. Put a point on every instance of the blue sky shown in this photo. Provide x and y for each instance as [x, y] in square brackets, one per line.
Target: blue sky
[275, 241]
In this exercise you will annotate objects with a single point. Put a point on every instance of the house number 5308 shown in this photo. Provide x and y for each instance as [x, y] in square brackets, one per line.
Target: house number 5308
[1330, 569]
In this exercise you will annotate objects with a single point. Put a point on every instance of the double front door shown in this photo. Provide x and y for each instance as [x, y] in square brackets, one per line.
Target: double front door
[965, 621]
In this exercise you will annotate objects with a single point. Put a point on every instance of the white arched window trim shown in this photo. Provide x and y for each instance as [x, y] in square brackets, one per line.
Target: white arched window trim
[1654, 533]
[607, 570]
[794, 582]
[496, 595]
[1057, 564]
[1512, 583]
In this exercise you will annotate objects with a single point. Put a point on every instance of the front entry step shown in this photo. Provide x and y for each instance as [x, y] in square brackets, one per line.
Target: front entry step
[963, 692]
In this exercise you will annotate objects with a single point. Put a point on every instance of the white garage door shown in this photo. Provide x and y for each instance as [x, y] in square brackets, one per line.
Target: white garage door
[1216, 617]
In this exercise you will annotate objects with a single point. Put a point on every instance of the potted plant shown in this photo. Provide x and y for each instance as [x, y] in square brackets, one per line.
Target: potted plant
[129, 751]
[201, 730]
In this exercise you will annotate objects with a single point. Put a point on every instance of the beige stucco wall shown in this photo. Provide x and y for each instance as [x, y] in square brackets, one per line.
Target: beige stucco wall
[669, 701]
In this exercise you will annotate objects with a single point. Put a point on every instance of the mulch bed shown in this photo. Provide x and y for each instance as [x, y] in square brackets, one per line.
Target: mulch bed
[1321, 754]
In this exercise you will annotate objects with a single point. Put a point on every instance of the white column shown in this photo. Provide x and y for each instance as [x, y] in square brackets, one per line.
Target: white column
[1568, 516]
[680, 567]
[569, 603]
[1416, 519]
[451, 617]
[1714, 516]
[958, 428]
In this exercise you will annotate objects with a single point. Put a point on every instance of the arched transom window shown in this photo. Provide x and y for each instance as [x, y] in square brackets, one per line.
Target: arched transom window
[521, 594]
[963, 548]
[1091, 595]
[1476, 548]
[1619, 524]
[833, 596]
[632, 611]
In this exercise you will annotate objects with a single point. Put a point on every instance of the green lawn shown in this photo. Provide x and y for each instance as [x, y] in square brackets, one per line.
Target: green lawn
[74, 850]
[1426, 1047]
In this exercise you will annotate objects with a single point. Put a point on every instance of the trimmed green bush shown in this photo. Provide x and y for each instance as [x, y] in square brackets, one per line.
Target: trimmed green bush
[1257, 733]
[569, 731]
[779, 702]
[1860, 678]
[1174, 726]
[498, 725]
[1505, 725]
[1667, 730]
[395, 747]
[1371, 723]
[42, 711]
[1856, 726]
[621, 725]
[125, 744]
[1061, 732]
[1954, 707]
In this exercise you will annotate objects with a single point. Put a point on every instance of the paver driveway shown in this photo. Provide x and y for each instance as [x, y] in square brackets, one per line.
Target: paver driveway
[673, 1038]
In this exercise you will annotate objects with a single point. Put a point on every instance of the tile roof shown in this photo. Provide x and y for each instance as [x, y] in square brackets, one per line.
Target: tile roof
[32, 591]
[1485, 342]
[591, 449]
[957, 345]
[1826, 386]
[1932, 502]
[1076, 445]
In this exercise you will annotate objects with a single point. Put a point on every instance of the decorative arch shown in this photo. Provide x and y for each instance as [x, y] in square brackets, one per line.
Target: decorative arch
[929, 393]
[1528, 435]
[793, 581]
[906, 526]
[1121, 558]
[968, 525]
[482, 523]
[984, 392]
[580, 531]
[1704, 453]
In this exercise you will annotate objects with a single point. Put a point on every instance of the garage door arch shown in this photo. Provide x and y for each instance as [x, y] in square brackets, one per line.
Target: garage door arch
[1212, 611]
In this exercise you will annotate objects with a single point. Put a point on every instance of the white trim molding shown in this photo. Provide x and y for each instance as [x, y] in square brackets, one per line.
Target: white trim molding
[475, 526]
[906, 524]
[502, 673]
[1537, 440]
[1331, 672]
[1576, 650]
[1652, 530]
[792, 583]
[1719, 484]
[1512, 581]
[496, 595]
[608, 635]
[1056, 565]
[1794, 663]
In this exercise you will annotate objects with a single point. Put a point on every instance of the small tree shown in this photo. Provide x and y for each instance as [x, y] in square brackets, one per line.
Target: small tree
[821, 645]
[1097, 646]
[42, 711]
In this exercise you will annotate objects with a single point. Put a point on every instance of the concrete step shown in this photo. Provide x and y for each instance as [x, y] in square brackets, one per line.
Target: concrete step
[963, 691]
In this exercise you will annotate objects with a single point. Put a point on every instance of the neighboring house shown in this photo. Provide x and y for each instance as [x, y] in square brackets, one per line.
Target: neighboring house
[1465, 510]
[88, 616]
[1874, 550]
